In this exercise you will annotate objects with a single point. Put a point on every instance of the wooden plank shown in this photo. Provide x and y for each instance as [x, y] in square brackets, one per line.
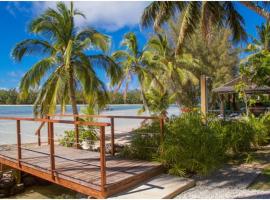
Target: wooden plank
[119, 175]
[99, 124]
[19, 156]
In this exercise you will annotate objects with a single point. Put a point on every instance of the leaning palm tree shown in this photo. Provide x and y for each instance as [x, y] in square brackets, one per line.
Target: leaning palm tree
[197, 14]
[130, 59]
[65, 65]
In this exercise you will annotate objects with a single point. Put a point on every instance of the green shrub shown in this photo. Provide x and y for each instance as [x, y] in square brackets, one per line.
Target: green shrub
[145, 143]
[191, 146]
[237, 136]
[69, 138]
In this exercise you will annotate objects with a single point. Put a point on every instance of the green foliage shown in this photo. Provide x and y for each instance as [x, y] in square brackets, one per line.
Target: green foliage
[66, 65]
[145, 143]
[191, 146]
[12, 96]
[85, 135]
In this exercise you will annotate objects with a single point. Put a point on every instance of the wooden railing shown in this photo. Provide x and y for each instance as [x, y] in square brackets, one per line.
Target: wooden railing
[112, 120]
[51, 140]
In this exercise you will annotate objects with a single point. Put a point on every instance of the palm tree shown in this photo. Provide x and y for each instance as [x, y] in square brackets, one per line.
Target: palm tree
[202, 15]
[65, 65]
[255, 66]
[172, 72]
[131, 61]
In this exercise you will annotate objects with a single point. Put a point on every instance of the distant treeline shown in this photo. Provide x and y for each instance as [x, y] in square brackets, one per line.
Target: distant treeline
[12, 96]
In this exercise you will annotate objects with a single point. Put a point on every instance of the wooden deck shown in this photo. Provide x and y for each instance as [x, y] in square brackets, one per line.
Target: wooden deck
[96, 174]
[80, 169]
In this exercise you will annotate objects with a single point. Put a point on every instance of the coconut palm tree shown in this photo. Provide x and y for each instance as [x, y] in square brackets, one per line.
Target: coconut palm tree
[172, 72]
[65, 65]
[197, 14]
[131, 61]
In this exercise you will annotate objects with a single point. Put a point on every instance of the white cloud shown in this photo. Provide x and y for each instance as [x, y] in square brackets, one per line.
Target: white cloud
[107, 15]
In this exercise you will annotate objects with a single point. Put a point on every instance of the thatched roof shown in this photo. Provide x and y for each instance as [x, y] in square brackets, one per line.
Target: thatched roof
[252, 88]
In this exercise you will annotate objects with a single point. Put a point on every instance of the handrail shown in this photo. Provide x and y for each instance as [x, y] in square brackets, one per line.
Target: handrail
[57, 121]
[106, 116]
[39, 128]
[38, 132]
[52, 155]
[112, 119]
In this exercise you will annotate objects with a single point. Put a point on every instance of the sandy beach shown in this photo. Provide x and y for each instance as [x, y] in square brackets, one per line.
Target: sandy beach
[122, 126]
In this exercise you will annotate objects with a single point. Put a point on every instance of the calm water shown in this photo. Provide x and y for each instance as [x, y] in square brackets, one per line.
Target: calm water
[8, 127]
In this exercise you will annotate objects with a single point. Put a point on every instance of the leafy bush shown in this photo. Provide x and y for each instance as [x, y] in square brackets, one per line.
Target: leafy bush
[191, 146]
[237, 136]
[85, 135]
[144, 143]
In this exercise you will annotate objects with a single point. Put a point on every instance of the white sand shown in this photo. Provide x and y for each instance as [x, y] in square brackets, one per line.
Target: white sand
[122, 126]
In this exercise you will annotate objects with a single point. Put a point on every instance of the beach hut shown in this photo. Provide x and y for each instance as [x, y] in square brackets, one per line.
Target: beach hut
[228, 94]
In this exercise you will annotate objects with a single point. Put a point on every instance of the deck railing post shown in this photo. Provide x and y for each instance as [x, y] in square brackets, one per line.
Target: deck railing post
[19, 142]
[51, 139]
[39, 140]
[77, 133]
[48, 117]
[102, 158]
[112, 137]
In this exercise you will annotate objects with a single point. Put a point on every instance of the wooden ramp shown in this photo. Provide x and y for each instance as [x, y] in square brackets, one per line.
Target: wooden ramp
[80, 169]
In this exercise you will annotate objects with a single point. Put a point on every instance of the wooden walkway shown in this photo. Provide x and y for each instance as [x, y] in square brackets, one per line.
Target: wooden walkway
[92, 173]
[81, 167]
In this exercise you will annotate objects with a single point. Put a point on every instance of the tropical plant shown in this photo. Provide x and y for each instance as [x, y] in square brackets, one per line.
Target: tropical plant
[195, 14]
[217, 58]
[172, 73]
[65, 65]
[131, 60]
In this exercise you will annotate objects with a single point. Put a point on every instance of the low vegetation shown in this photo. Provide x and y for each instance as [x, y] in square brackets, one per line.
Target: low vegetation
[193, 147]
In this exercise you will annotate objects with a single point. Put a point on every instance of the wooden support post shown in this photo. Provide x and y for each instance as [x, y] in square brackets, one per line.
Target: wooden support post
[161, 123]
[102, 158]
[203, 96]
[52, 158]
[48, 117]
[222, 106]
[112, 137]
[39, 140]
[19, 153]
[77, 133]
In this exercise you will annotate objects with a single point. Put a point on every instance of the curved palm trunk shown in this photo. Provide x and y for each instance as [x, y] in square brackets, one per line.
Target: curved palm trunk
[73, 102]
[72, 94]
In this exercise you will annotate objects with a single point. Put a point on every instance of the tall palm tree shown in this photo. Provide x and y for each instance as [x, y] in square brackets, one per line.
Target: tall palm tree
[131, 60]
[65, 65]
[172, 72]
[197, 14]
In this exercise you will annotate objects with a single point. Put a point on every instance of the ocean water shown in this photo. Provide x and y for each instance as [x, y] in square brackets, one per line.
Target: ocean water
[8, 127]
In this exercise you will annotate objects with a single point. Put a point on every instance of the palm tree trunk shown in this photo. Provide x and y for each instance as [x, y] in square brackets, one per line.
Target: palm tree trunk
[72, 94]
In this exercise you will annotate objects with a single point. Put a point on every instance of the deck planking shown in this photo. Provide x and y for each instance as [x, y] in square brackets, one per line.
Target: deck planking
[83, 167]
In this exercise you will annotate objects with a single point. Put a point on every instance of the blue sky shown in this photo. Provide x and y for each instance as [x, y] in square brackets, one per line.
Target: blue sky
[112, 18]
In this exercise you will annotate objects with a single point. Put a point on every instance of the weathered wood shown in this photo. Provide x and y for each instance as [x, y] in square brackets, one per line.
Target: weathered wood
[82, 169]
[112, 137]
[52, 158]
[77, 133]
[203, 95]
[105, 116]
[85, 123]
[19, 150]
[102, 158]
